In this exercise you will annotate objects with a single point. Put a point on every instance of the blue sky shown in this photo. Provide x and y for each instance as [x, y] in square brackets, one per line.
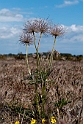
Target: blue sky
[15, 13]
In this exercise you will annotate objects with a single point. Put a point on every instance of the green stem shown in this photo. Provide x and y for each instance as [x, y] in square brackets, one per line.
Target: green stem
[36, 48]
[27, 59]
[43, 97]
[38, 107]
[51, 57]
[35, 41]
[37, 51]
[36, 83]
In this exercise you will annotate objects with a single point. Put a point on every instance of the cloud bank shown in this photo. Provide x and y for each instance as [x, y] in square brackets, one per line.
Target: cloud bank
[68, 3]
[8, 16]
[74, 33]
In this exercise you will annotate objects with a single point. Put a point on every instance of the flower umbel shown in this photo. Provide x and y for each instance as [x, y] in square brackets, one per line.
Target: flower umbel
[53, 120]
[43, 26]
[36, 26]
[31, 27]
[33, 121]
[56, 30]
[17, 122]
[26, 39]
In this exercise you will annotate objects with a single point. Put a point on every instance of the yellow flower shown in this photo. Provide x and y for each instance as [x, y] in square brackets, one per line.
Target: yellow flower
[53, 120]
[17, 122]
[33, 121]
[43, 120]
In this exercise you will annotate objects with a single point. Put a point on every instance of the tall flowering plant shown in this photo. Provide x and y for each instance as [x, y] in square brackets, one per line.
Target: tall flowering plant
[31, 30]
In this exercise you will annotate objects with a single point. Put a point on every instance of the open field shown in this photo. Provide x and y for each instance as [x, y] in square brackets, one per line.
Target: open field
[67, 77]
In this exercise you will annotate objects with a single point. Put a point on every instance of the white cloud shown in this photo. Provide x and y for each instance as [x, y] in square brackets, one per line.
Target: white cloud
[75, 28]
[8, 16]
[74, 33]
[7, 32]
[68, 3]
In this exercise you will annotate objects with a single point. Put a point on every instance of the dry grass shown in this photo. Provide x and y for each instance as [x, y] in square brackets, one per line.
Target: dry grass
[67, 77]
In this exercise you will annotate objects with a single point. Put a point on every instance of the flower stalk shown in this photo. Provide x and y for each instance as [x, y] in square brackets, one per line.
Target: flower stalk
[51, 56]
[27, 59]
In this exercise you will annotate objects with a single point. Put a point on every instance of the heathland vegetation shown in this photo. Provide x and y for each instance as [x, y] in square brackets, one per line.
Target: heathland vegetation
[47, 88]
[61, 56]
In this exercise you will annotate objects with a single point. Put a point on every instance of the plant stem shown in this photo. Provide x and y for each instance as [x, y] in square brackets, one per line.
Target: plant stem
[51, 57]
[27, 59]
